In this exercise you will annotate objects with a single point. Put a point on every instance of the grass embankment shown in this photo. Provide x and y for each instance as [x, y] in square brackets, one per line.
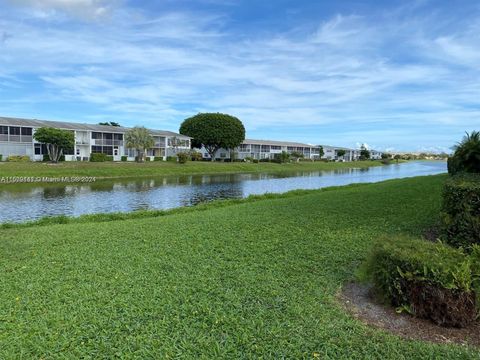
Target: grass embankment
[111, 170]
[254, 279]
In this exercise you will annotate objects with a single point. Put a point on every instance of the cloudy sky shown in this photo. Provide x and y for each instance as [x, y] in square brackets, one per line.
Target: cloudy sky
[402, 75]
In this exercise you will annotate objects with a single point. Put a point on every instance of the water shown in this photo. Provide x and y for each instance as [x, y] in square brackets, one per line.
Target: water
[28, 202]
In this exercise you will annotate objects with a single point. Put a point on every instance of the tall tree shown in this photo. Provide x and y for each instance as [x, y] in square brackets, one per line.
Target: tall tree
[214, 131]
[341, 153]
[56, 141]
[139, 138]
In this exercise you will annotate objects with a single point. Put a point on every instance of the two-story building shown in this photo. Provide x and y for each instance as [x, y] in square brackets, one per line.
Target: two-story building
[17, 138]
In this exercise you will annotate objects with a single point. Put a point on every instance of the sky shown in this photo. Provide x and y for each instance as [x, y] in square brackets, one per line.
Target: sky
[396, 75]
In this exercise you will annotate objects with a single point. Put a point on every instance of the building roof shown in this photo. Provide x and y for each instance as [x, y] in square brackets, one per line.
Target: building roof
[277, 143]
[77, 126]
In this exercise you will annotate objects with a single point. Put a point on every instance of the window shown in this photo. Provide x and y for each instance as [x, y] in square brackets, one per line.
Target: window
[40, 149]
[107, 150]
[275, 147]
[96, 149]
[118, 136]
[14, 130]
[26, 131]
[3, 130]
[108, 136]
[96, 135]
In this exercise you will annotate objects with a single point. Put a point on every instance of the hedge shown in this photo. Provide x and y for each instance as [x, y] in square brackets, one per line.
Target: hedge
[124, 158]
[461, 210]
[98, 157]
[430, 280]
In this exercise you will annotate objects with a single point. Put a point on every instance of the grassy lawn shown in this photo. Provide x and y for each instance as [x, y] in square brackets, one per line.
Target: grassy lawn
[254, 279]
[149, 169]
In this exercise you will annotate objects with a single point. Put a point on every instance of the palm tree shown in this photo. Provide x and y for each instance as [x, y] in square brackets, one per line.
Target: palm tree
[139, 138]
[467, 152]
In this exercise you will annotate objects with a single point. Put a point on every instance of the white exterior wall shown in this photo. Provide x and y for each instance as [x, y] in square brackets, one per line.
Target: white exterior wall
[83, 146]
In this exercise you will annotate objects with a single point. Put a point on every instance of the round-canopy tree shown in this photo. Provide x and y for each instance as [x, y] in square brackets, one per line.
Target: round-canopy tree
[214, 131]
[56, 141]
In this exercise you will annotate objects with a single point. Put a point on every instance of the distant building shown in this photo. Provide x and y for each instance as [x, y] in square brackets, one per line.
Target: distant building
[16, 138]
[267, 149]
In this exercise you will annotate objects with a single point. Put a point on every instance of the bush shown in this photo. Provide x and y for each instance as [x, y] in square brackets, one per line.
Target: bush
[18, 158]
[283, 157]
[158, 158]
[147, 158]
[255, 161]
[172, 158]
[453, 165]
[264, 160]
[124, 158]
[461, 210]
[98, 157]
[430, 280]
[183, 157]
[466, 157]
[1, 157]
[196, 156]
[109, 158]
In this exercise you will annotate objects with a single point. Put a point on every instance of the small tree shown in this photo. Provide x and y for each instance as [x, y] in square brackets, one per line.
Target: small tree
[397, 157]
[283, 157]
[214, 131]
[139, 138]
[321, 152]
[364, 153]
[296, 155]
[56, 141]
[341, 153]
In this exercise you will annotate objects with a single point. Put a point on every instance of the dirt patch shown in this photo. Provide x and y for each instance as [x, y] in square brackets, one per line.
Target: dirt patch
[359, 300]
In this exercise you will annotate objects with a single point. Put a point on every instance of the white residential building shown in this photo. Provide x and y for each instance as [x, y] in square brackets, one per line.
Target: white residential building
[16, 138]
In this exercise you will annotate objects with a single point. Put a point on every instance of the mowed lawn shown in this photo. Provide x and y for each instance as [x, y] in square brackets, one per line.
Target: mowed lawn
[252, 280]
[111, 170]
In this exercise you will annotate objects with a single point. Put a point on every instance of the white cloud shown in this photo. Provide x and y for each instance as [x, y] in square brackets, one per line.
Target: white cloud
[87, 9]
[347, 73]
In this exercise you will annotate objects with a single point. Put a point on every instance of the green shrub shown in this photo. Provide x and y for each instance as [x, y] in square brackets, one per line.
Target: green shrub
[283, 157]
[196, 156]
[124, 158]
[183, 157]
[109, 158]
[147, 158]
[172, 158]
[98, 157]
[158, 158]
[461, 210]
[430, 280]
[1, 157]
[466, 157]
[453, 165]
[18, 158]
[264, 160]
[255, 161]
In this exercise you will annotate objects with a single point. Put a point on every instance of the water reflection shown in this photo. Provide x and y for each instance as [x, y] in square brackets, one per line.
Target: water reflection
[26, 202]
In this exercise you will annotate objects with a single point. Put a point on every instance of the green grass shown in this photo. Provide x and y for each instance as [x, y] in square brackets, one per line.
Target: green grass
[111, 170]
[256, 278]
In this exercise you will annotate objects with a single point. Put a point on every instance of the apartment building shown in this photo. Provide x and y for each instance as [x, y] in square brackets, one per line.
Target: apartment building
[16, 138]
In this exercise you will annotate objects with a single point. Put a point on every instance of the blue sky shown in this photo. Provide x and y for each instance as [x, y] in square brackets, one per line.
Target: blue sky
[397, 75]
